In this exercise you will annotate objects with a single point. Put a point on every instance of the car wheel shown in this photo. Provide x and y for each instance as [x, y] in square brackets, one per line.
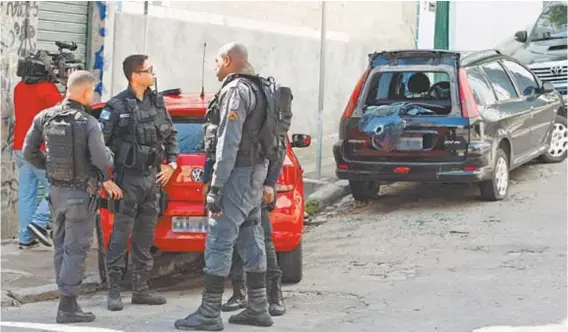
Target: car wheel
[558, 148]
[364, 190]
[291, 265]
[497, 188]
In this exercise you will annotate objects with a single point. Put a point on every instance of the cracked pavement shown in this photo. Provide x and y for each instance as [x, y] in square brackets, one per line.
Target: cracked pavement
[422, 257]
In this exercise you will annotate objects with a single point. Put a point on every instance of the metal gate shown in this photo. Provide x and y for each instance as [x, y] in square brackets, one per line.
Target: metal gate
[63, 21]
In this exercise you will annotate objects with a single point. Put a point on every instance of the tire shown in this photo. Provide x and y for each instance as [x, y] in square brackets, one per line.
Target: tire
[364, 190]
[291, 265]
[497, 188]
[558, 147]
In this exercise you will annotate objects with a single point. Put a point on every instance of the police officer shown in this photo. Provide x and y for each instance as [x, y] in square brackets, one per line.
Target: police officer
[139, 130]
[234, 196]
[273, 273]
[76, 156]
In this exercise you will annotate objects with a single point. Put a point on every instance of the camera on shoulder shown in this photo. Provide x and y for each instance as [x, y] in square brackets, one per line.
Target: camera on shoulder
[46, 66]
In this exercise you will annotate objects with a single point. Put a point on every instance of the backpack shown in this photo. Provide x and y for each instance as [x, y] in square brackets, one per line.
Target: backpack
[278, 116]
[278, 119]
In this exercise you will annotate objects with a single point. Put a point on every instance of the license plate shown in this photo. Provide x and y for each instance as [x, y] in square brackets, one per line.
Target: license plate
[409, 144]
[189, 224]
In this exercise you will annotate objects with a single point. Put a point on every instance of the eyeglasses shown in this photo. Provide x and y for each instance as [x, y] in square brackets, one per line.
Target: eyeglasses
[148, 71]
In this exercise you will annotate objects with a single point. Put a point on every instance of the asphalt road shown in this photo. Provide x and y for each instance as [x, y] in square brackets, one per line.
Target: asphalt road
[419, 258]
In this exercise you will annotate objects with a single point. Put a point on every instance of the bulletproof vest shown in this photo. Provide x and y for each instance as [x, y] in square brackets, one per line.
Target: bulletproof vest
[141, 134]
[250, 151]
[65, 132]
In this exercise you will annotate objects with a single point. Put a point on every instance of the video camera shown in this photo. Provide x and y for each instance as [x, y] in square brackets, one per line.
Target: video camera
[45, 66]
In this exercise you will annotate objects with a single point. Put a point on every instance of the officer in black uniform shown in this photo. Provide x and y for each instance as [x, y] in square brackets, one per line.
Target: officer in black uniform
[76, 161]
[139, 131]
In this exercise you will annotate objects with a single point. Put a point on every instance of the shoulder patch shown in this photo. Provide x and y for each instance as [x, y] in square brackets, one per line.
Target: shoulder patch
[232, 115]
[234, 102]
[105, 114]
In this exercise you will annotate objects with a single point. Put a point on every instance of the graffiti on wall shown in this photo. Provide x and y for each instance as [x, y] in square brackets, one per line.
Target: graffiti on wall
[18, 38]
[97, 44]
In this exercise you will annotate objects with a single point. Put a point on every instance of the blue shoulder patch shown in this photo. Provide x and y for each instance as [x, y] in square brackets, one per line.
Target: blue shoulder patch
[105, 115]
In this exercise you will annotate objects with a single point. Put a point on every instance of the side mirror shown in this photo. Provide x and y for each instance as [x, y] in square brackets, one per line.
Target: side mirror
[547, 87]
[521, 36]
[301, 141]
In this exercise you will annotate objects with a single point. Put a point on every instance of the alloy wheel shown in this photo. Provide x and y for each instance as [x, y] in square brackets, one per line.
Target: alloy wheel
[559, 141]
[501, 176]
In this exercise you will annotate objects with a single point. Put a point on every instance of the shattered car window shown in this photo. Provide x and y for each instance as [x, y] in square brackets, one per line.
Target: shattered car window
[409, 86]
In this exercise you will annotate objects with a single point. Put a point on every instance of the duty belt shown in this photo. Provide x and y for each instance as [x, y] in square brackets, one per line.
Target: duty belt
[69, 184]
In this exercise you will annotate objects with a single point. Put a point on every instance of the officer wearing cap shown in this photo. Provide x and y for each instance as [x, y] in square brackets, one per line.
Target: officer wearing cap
[139, 130]
[235, 195]
[76, 159]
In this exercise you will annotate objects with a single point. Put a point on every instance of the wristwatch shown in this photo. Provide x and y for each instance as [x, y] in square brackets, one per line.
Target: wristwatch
[173, 165]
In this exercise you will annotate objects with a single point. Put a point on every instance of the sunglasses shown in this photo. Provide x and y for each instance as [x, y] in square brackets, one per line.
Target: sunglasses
[148, 71]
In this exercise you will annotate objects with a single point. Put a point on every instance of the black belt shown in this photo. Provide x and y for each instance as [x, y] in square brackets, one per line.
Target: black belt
[68, 184]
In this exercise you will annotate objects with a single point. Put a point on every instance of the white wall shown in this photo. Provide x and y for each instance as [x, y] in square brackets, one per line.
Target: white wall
[282, 38]
[477, 25]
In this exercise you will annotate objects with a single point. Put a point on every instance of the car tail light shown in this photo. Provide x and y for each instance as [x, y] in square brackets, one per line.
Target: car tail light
[342, 166]
[470, 168]
[288, 176]
[468, 106]
[352, 104]
[402, 170]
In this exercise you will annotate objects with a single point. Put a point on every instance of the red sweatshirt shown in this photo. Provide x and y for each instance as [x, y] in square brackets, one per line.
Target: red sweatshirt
[29, 100]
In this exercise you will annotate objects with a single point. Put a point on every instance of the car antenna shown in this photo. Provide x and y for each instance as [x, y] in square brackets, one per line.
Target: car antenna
[203, 73]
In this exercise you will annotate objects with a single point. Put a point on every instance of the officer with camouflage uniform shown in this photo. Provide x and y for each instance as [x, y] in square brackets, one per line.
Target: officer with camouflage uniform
[76, 161]
[139, 130]
[235, 196]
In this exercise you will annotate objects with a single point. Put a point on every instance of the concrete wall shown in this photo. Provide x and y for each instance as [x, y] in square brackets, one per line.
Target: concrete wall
[19, 21]
[283, 41]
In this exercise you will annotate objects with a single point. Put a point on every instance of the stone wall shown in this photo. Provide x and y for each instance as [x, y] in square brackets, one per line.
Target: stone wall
[19, 21]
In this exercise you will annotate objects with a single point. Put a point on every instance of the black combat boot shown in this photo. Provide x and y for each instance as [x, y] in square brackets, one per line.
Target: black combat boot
[208, 315]
[141, 292]
[274, 293]
[69, 312]
[114, 301]
[238, 300]
[256, 312]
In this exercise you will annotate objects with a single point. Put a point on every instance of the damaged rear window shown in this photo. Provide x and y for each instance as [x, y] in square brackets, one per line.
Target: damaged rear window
[428, 89]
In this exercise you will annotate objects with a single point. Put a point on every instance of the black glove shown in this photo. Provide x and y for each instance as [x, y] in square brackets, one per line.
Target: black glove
[214, 200]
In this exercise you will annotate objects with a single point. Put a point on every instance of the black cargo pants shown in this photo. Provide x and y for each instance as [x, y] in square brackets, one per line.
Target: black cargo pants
[137, 213]
[73, 217]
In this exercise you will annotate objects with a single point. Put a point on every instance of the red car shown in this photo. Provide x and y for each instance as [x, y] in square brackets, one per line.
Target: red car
[182, 226]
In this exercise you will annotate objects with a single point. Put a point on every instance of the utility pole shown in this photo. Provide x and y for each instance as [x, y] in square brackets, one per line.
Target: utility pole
[321, 91]
[145, 26]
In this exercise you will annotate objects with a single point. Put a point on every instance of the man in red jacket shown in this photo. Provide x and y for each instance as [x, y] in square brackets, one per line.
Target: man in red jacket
[29, 100]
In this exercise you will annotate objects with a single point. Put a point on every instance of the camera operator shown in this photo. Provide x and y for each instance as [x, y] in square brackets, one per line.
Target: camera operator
[32, 95]
[40, 72]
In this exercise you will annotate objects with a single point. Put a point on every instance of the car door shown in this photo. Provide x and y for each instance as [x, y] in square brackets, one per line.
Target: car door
[511, 105]
[542, 111]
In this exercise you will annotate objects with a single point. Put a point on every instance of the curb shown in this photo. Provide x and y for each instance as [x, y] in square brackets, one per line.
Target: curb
[327, 195]
[15, 298]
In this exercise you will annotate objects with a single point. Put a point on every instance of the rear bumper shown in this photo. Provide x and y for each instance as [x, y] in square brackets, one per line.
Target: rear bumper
[479, 156]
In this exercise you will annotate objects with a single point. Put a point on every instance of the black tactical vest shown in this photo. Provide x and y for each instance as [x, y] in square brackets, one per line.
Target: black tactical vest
[141, 134]
[65, 132]
[249, 149]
